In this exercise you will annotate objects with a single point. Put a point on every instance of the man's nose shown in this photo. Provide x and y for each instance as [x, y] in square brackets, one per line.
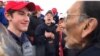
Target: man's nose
[27, 18]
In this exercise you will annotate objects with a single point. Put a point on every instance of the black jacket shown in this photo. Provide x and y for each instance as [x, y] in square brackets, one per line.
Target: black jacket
[40, 30]
[41, 40]
[34, 22]
[93, 50]
[56, 18]
[89, 50]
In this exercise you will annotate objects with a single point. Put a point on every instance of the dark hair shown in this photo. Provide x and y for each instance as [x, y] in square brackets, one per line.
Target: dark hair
[10, 11]
[92, 9]
[61, 19]
[49, 12]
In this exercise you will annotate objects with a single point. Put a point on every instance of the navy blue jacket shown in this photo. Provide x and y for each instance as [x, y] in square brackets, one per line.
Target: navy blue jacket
[42, 42]
[40, 30]
[56, 18]
[3, 20]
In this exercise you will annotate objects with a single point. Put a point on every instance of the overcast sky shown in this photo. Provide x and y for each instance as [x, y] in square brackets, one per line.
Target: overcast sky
[61, 5]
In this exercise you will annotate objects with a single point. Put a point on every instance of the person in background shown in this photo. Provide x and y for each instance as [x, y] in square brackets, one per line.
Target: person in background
[56, 17]
[41, 18]
[60, 44]
[45, 36]
[3, 20]
[34, 22]
[83, 28]
[40, 15]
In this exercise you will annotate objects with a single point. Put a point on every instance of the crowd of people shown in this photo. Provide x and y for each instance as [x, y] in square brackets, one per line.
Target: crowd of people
[30, 33]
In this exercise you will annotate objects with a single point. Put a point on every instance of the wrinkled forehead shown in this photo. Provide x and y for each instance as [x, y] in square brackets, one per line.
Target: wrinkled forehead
[76, 8]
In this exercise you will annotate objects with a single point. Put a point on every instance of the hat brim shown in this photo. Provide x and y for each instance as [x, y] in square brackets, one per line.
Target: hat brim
[41, 9]
[30, 6]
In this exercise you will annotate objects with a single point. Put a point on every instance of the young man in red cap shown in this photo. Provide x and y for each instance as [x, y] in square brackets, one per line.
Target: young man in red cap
[17, 14]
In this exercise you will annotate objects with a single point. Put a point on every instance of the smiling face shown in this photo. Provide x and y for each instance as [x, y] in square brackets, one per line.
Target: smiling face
[19, 20]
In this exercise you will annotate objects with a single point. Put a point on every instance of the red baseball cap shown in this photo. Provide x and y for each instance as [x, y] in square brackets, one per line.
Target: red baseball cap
[38, 8]
[54, 10]
[17, 5]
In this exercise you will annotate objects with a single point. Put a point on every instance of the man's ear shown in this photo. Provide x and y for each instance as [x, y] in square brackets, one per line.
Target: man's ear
[8, 16]
[90, 25]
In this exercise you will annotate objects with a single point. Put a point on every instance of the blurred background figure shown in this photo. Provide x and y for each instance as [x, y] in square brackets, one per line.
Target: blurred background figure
[3, 20]
[46, 36]
[61, 36]
[56, 17]
[38, 9]
[34, 22]
[40, 16]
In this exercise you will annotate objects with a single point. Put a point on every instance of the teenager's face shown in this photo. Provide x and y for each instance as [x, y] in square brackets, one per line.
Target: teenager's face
[48, 18]
[20, 20]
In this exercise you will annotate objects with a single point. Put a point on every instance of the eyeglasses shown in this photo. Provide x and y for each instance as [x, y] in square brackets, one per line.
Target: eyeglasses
[81, 16]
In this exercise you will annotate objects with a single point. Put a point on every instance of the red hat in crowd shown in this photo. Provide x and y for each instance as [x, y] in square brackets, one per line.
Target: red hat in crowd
[17, 5]
[1, 1]
[54, 10]
[38, 8]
